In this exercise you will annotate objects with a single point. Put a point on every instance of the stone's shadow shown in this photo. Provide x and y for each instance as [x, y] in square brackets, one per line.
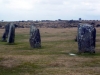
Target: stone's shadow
[97, 40]
[11, 44]
[3, 40]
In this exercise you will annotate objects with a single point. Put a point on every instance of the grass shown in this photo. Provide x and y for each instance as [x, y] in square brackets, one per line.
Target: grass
[52, 58]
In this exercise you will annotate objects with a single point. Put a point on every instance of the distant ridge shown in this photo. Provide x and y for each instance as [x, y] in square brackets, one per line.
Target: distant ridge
[50, 23]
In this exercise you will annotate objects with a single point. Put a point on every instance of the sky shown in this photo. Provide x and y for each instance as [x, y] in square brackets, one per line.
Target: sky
[16, 10]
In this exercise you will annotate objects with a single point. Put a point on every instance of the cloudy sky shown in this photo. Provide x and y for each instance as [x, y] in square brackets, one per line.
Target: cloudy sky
[15, 10]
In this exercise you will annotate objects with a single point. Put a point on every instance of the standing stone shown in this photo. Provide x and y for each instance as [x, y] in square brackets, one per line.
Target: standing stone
[86, 38]
[11, 34]
[5, 35]
[35, 39]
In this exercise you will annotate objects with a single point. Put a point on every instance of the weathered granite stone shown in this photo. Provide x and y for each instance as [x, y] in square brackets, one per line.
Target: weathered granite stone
[11, 34]
[86, 38]
[35, 39]
[5, 35]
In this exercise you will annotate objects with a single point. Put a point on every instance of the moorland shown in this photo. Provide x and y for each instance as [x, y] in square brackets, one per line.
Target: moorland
[53, 58]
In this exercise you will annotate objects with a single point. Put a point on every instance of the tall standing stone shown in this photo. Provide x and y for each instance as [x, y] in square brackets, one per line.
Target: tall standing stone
[11, 34]
[5, 35]
[35, 38]
[86, 38]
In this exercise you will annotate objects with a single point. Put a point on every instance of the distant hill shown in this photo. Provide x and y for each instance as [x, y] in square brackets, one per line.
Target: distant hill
[50, 23]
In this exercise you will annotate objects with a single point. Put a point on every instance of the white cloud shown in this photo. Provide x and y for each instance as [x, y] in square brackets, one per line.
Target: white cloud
[17, 4]
[49, 9]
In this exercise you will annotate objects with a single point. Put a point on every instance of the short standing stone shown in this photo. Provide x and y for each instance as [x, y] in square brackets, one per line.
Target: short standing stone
[86, 38]
[11, 34]
[35, 39]
[5, 35]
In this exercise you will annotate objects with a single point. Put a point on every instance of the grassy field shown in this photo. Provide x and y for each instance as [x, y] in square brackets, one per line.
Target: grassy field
[52, 58]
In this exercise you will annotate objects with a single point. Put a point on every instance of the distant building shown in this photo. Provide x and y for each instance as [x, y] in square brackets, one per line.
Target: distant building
[59, 19]
[2, 20]
[80, 19]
